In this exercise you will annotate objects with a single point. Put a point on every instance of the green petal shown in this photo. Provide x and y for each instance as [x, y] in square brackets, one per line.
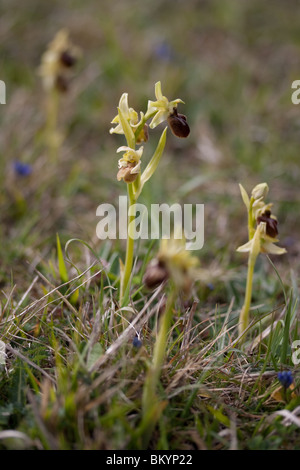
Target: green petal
[152, 165]
[273, 249]
[123, 104]
[127, 129]
[245, 196]
[245, 248]
[159, 117]
[158, 92]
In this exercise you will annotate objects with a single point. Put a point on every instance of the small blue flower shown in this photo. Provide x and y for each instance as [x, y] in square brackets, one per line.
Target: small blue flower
[164, 51]
[285, 378]
[22, 169]
[137, 343]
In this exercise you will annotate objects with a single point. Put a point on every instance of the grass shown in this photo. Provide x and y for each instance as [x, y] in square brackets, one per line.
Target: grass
[72, 378]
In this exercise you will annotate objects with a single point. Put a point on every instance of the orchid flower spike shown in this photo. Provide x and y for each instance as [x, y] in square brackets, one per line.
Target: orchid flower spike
[175, 262]
[57, 61]
[263, 226]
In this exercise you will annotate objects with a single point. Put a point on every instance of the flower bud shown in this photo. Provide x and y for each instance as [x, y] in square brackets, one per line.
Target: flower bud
[285, 378]
[260, 191]
[136, 342]
[178, 124]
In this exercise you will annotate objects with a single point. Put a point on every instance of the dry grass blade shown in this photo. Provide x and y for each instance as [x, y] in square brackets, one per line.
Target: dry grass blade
[29, 362]
[290, 417]
[128, 331]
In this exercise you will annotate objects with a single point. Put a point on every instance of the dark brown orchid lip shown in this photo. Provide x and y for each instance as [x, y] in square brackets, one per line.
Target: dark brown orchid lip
[68, 59]
[156, 273]
[178, 124]
[271, 224]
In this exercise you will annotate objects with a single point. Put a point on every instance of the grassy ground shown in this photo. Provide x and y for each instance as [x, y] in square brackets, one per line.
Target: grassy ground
[71, 379]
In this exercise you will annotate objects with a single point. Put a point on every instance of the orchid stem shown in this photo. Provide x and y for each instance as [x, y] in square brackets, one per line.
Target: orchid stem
[251, 222]
[150, 400]
[244, 315]
[125, 278]
[51, 124]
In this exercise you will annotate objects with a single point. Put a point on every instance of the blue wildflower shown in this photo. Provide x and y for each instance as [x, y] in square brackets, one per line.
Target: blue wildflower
[285, 378]
[163, 51]
[22, 169]
[137, 343]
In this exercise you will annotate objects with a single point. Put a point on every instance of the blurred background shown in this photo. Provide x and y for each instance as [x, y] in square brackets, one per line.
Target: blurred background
[231, 62]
